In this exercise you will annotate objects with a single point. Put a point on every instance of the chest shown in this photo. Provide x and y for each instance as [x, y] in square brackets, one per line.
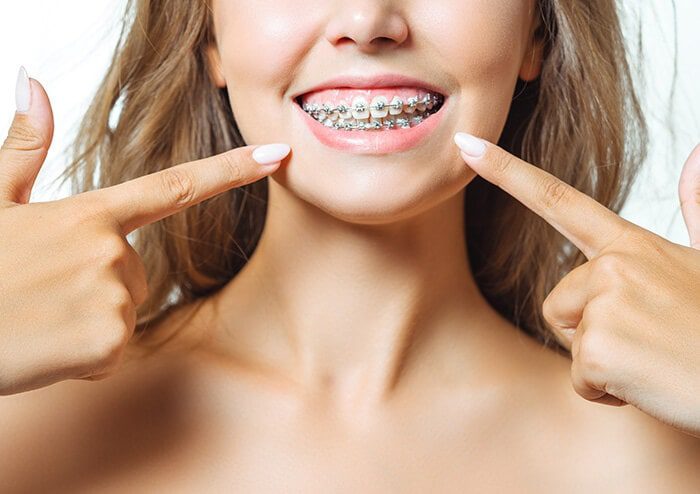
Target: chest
[261, 454]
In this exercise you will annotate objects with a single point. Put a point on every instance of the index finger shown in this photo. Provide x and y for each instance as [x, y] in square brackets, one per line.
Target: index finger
[589, 225]
[152, 197]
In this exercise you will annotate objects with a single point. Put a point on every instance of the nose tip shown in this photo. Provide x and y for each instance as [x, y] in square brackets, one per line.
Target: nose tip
[370, 29]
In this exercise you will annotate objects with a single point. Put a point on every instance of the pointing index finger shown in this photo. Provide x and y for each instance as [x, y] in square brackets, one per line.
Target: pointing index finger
[580, 218]
[151, 197]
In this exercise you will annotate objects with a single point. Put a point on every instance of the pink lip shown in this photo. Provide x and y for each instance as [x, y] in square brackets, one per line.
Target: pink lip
[371, 82]
[383, 141]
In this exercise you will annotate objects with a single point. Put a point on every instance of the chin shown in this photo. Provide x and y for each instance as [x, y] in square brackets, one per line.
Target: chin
[352, 178]
[372, 190]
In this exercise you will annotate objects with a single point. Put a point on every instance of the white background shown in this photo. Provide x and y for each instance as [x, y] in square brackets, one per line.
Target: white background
[67, 45]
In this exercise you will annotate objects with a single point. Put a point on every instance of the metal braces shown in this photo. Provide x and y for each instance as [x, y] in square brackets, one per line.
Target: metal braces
[403, 123]
[315, 109]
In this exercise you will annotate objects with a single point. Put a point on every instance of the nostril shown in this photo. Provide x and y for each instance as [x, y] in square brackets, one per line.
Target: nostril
[375, 43]
[383, 40]
[344, 40]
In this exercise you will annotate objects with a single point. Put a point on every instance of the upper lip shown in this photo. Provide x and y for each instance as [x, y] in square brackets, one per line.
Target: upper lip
[372, 82]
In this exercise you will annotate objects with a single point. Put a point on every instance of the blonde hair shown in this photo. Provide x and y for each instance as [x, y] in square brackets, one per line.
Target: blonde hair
[580, 120]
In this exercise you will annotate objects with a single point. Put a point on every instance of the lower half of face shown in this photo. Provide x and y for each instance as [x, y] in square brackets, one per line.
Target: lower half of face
[376, 153]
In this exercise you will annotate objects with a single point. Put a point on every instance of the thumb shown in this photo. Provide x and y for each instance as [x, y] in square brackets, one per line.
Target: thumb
[689, 192]
[27, 142]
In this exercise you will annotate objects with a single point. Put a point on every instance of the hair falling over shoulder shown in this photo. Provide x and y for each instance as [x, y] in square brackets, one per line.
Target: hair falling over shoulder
[157, 106]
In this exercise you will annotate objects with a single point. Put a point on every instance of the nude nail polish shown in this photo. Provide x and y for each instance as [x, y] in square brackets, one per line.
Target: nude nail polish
[23, 91]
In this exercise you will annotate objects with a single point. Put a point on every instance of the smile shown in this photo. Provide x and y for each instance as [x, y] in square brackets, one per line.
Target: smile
[384, 111]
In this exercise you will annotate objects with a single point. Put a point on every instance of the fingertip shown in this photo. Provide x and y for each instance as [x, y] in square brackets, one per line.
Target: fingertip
[33, 105]
[471, 147]
[271, 154]
[23, 92]
[270, 167]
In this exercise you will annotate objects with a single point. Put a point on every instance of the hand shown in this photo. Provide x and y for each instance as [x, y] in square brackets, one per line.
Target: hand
[70, 280]
[631, 314]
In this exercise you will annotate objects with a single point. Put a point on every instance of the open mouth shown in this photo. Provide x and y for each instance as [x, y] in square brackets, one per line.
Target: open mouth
[346, 109]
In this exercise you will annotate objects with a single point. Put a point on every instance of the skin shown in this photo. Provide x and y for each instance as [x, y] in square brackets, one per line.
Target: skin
[354, 353]
[632, 309]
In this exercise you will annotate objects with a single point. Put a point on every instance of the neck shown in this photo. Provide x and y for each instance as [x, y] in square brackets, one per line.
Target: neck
[349, 309]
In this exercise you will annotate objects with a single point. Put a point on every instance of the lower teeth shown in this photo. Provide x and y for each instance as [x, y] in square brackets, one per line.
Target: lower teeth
[377, 124]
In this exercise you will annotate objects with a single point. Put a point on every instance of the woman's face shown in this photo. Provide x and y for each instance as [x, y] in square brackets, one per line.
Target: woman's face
[467, 53]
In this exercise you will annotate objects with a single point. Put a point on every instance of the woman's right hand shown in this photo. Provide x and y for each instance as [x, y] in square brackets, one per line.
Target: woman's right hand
[69, 279]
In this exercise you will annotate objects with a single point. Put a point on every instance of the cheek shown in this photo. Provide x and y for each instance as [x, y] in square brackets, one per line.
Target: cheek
[261, 41]
[260, 44]
[485, 40]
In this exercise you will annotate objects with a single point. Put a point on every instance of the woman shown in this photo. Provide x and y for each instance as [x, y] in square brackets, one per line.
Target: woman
[385, 331]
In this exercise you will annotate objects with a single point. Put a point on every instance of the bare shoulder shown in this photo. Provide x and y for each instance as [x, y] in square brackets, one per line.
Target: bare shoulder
[631, 450]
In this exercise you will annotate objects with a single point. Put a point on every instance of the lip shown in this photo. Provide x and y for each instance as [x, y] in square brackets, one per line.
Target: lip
[372, 82]
[384, 141]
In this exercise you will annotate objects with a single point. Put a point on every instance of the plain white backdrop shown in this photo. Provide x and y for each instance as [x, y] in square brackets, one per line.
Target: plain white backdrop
[67, 46]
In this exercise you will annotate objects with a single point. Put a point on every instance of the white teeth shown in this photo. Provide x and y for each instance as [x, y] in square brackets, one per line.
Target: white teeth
[344, 110]
[379, 114]
[396, 106]
[332, 115]
[378, 108]
[360, 108]
[411, 104]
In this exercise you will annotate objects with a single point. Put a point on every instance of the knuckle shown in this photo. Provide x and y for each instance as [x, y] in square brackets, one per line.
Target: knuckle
[109, 346]
[554, 192]
[501, 163]
[609, 266]
[122, 300]
[112, 250]
[178, 186]
[23, 137]
[592, 353]
[548, 308]
[600, 307]
[233, 167]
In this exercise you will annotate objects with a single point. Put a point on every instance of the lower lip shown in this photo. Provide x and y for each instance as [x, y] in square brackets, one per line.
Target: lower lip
[383, 141]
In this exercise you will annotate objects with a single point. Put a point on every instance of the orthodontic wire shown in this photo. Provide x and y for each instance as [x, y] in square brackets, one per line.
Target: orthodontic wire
[315, 109]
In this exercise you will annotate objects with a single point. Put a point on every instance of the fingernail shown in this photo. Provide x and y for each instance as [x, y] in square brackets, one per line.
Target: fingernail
[470, 145]
[23, 91]
[270, 153]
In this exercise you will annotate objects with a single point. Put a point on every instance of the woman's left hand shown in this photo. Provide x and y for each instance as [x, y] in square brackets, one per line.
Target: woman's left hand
[631, 314]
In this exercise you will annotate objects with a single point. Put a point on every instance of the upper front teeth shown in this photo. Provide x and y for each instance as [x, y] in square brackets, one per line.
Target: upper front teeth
[379, 108]
[396, 106]
[360, 108]
[411, 105]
